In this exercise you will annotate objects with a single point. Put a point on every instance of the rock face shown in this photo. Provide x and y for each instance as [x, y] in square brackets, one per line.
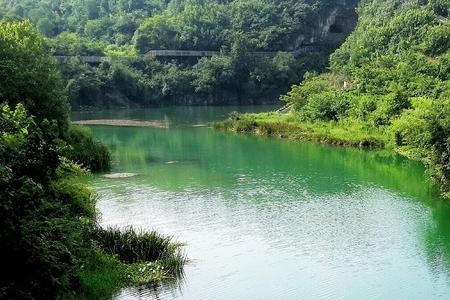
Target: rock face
[333, 26]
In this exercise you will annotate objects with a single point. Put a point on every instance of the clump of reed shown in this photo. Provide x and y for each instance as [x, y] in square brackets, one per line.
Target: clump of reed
[131, 246]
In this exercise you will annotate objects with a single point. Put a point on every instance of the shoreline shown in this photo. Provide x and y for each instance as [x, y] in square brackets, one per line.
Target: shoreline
[286, 127]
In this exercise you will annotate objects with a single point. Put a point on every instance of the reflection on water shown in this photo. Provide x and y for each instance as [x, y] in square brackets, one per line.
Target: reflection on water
[272, 219]
[166, 290]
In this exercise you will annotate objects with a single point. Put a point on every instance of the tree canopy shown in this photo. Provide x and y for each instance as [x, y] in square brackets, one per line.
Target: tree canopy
[28, 74]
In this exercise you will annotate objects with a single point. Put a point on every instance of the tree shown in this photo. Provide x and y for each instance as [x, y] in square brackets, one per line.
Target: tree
[158, 32]
[29, 75]
[46, 27]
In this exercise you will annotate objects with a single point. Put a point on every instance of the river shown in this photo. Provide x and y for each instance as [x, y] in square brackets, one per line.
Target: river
[273, 219]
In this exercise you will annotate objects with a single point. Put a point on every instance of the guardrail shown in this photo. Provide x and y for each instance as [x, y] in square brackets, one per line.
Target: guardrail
[180, 53]
[85, 59]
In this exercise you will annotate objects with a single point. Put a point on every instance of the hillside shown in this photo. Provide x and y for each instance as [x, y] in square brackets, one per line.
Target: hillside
[388, 87]
[236, 28]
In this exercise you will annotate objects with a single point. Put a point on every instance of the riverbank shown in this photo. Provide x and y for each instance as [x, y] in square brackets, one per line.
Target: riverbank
[125, 258]
[287, 126]
[344, 134]
[112, 258]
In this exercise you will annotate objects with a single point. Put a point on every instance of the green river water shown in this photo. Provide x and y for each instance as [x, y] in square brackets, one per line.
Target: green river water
[274, 219]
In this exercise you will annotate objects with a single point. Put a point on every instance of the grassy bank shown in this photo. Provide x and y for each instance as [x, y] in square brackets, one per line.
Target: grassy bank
[121, 258]
[106, 260]
[288, 126]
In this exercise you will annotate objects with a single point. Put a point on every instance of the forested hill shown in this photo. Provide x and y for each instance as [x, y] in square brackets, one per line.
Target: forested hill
[192, 25]
[238, 28]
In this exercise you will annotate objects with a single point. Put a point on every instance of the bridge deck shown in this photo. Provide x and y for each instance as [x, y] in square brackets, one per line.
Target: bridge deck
[182, 53]
[178, 53]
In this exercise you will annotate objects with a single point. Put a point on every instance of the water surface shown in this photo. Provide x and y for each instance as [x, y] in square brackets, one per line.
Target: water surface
[273, 219]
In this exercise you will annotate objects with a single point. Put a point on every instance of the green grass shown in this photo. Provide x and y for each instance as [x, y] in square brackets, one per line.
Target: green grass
[141, 247]
[101, 276]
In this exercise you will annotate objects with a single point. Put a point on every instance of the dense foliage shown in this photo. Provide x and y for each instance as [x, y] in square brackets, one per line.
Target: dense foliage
[127, 28]
[29, 76]
[391, 75]
[47, 217]
[44, 220]
[138, 82]
[82, 149]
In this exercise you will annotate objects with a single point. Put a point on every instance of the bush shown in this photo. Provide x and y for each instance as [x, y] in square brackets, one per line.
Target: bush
[440, 7]
[299, 94]
[101, 276]
[85, 150]
[413, 127]
[325, 106]
[362, 106]
[437, 40]
[389, 106]
[28, 75]
[440, 131]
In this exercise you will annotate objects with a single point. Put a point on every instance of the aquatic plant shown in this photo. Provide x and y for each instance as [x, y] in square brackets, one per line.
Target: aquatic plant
[131, 246]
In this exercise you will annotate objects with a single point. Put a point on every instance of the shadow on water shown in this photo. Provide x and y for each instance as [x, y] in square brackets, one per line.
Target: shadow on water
[161, 290]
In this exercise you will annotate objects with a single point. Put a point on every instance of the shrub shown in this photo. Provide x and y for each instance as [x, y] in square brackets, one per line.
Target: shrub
[28, 75]
[299, 94]
[362, 106]
[413, 127]
[325, 106]
[101, 276]
[84, 149]
[440, 7]
[389, 106]
[437, 40]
